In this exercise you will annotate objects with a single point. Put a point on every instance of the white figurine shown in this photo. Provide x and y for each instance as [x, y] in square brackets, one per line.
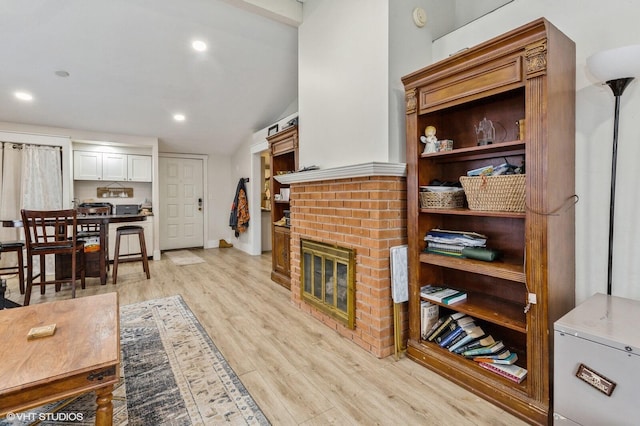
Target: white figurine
[430, 140]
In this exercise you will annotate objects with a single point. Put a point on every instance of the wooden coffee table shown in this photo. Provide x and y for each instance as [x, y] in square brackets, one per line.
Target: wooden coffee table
[82, 356]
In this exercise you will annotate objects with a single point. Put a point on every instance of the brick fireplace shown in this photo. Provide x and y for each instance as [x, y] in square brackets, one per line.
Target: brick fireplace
[362, 208]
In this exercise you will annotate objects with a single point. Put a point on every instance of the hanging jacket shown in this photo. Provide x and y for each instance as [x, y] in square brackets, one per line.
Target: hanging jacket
[239, 217]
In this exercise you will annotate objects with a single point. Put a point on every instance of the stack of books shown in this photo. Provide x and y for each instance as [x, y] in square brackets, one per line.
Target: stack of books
[459, 334]
[451, 243]
[483, 340]
[441, 294]
[451, 329]
[495, 353]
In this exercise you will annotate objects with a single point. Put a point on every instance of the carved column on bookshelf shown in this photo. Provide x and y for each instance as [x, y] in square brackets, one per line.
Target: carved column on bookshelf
[410, 97]
[536, 57]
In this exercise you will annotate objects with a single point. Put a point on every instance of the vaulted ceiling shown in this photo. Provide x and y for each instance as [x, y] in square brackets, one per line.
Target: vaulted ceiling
[127, 66]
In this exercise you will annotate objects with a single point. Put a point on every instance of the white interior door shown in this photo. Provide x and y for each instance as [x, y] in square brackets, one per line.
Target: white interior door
[181, 202]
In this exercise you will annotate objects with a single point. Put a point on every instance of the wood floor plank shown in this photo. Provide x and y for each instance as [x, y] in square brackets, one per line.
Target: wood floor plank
[299, 371]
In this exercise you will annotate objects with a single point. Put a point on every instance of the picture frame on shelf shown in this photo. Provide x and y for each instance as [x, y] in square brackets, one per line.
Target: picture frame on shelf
[272, 130]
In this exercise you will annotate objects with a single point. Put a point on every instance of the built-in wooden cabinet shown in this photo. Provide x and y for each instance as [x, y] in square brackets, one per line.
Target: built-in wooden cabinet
[527, 74]
[90, 165]
[283, 147]
[280, 252]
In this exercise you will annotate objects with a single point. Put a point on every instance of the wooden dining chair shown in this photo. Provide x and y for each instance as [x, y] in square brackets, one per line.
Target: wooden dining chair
[91, 231]
[52, 232]
[16, 268]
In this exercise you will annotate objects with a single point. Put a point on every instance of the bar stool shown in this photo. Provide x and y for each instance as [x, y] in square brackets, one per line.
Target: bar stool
[131, 257]
[17, 247]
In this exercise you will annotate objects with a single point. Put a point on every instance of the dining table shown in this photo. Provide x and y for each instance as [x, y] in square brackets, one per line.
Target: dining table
[100, 256]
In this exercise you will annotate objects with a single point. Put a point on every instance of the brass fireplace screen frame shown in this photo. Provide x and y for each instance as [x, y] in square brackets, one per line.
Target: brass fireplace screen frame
[334, 268]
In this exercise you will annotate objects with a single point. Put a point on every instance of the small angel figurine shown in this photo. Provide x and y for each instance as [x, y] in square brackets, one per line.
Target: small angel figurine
[430, 140]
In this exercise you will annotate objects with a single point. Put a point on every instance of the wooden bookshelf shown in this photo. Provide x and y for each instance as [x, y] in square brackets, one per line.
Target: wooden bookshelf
[528, 73]
[283, 147]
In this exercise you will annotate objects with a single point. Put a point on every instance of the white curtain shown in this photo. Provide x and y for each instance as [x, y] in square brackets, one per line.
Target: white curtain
[41, 178]
[10, 190]
[31, 178]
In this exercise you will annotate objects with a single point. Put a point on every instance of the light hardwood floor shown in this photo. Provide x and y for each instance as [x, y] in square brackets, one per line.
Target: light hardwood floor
[299, 371]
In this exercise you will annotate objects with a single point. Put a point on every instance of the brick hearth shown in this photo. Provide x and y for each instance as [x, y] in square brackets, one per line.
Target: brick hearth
[367, 214]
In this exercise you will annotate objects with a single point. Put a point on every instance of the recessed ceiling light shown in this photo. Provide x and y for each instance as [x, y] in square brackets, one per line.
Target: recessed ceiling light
[62, 73]
[199, 45]
[179, 117]
[23, 96]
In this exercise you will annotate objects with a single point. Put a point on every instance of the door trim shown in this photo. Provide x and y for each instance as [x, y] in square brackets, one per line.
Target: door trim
[205, 190]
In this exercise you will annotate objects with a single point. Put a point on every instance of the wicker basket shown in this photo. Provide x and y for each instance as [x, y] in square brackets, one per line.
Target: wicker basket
[495, 193]
[441, 200]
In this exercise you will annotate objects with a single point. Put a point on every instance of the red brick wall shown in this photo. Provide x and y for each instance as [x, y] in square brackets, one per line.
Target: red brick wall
[367, 214]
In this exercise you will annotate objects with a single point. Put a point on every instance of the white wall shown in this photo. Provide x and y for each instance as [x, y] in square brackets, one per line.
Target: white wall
[594, 27]
[409, 50]
[343, 66]
[466, 11]
[221, 188]
[246, 163]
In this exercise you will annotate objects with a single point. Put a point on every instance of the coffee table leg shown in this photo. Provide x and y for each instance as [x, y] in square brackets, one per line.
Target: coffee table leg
[104, 411]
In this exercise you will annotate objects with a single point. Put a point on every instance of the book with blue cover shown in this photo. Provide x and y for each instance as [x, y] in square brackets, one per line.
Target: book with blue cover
[484, 350]
[442, 326]
[442, 294]
[454, 328]
[466, 337]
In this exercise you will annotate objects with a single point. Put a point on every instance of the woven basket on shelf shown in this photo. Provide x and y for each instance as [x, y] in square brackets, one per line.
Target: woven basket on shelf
[495, 193]
[441, 200]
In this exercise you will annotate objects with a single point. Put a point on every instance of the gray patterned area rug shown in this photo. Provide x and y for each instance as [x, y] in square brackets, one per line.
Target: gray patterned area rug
[173, 375]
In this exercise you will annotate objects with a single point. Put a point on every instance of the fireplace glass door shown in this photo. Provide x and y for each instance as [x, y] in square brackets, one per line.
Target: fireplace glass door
[328, 277]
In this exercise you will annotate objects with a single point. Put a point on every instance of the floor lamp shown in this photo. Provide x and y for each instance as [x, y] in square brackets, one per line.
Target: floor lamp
[617, 68]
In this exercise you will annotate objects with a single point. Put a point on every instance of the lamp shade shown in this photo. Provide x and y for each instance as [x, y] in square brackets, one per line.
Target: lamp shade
[612, 64]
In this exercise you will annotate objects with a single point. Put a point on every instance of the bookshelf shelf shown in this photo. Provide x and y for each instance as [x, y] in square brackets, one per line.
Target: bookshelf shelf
[504, 270]
[512, 148]
[453, 366]
[467, 212]
[507, 79]
[503, 313]
[468, 363]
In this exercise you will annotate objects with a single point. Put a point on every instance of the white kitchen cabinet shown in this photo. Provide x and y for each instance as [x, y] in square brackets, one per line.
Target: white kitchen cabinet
[90, 165]
[139, 168]
[130, 244]
[114, 166]
[87, 165]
